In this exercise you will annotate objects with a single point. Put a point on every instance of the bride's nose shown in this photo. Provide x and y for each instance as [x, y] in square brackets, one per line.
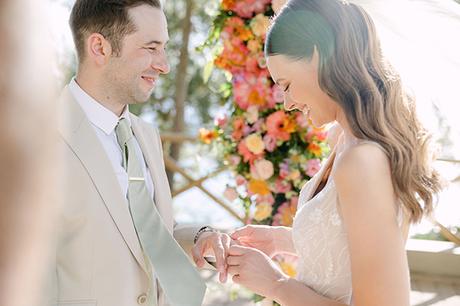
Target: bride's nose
[288, 103]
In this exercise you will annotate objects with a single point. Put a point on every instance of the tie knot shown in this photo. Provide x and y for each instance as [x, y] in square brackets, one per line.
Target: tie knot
[123, 131]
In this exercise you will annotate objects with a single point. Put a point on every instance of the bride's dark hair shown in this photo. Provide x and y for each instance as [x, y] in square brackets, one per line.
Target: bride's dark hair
[354, 73]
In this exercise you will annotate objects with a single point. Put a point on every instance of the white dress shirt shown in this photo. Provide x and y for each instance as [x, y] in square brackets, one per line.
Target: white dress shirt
[104, 122]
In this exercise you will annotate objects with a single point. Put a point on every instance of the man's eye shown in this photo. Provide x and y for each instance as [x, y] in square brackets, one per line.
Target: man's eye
[287, 88]
[152, 49]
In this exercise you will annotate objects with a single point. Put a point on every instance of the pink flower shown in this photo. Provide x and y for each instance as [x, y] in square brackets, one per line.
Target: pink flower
[246, 130]
[268, 198]
[284, 169]
[238, 124]
[252, 64]
[258, 126]
[234, 160]
[252, 89]
[301, 120]
[248, 8]
[281, 186]
[313, 166]
[231, 194]
[270, 142]
[276, 125]
[284, 173]
[262, 169]
[240, 180]
[243, 9]
[278, 94]
[244, 151]
[221, 121]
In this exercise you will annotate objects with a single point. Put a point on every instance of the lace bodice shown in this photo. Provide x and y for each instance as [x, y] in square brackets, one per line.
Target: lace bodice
[320, 240]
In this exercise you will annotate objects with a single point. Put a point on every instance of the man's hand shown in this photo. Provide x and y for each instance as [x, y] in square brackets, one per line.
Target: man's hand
[216, 244]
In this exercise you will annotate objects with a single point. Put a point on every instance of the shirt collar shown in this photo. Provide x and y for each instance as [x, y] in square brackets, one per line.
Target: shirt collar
[100, 116]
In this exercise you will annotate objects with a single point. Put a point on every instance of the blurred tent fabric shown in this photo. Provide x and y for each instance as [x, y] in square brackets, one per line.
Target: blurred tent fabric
[422, 40]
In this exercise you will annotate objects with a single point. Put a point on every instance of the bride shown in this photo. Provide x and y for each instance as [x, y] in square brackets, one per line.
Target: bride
[352, 221]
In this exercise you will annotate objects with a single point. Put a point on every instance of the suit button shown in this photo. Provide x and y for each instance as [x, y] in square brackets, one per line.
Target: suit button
[142, 299]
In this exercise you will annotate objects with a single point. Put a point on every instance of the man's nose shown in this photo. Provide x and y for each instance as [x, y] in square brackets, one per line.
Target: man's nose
[161, 64]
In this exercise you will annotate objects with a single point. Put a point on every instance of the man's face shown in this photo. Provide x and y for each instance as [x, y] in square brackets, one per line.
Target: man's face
[133, 74]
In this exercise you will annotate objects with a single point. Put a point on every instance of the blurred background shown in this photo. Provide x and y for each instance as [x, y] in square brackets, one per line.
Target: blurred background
[420, 37]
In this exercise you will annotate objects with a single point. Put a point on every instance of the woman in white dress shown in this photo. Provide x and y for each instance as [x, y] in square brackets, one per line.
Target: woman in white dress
[352, 221]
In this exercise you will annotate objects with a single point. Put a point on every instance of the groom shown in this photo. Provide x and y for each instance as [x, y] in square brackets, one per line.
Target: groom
[117, 242]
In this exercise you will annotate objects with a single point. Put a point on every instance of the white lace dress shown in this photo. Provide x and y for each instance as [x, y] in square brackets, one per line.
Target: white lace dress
[320, 240]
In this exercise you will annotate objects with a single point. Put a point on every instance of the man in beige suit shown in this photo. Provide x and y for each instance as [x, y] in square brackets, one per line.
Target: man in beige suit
[109, 252]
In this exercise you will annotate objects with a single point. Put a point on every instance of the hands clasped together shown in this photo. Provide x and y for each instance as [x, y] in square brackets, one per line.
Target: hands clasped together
[246, 255]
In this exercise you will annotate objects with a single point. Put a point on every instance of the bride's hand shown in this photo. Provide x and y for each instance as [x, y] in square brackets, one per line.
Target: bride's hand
[271, 240]
[261, 237]
[254, 270]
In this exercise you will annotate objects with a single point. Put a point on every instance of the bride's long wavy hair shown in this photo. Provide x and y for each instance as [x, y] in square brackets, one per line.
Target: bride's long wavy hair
[354, 73]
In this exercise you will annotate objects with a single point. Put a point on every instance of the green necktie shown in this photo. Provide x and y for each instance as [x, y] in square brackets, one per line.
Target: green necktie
[179, 279]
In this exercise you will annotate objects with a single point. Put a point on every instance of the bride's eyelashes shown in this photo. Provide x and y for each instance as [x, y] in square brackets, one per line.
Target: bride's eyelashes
[287, 87]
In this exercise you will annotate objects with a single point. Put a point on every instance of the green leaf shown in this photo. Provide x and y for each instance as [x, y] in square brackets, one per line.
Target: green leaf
[207, 71]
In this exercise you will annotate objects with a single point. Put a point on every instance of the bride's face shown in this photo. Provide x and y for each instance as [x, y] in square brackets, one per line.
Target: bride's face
[299, 80]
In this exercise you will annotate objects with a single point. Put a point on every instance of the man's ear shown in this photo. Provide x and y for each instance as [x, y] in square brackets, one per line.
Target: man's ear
[98, 49]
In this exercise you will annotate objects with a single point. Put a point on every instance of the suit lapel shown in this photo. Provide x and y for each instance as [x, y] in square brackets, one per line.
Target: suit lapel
[78, 133]
[151, 146]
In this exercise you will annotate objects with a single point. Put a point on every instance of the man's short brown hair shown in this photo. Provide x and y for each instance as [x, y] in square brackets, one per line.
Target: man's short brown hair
[107, 17]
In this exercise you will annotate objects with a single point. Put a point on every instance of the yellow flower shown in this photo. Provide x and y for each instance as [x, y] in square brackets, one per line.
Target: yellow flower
[288, 268]
[263, 211]
[258, 187]
[254, 46]
[294, 175]
[260, 24]
[255, 144]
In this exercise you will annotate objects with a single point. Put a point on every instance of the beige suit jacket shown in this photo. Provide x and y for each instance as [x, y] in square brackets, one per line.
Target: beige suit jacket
[99, 259]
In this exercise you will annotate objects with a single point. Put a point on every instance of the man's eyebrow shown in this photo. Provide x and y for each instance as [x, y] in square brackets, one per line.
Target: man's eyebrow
[156, 42]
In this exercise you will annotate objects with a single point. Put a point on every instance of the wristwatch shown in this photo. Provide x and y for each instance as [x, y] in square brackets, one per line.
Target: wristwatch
[202, 230]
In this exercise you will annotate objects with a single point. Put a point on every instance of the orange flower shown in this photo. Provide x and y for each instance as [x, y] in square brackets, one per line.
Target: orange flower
[289, 125]
[243, 33]
[315, 149]
[258, 187]
[280, 126]
[207, 136]
[255, 98]
[286, 213]
[228, 4]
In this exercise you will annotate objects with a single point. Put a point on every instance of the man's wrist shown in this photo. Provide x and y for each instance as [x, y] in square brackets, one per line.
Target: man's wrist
[204, 229]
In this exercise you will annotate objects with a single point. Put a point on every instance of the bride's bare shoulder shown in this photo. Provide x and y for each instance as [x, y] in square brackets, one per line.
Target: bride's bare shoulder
[362, 164]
